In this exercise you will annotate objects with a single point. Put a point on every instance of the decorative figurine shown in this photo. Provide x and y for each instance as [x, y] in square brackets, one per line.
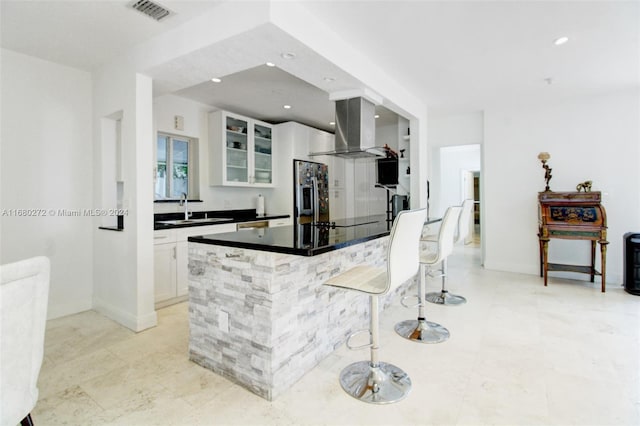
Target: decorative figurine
[389, 151]
[543, 157]
[586, 185]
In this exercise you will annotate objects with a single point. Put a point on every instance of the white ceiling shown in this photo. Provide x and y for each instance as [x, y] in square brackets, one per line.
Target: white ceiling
[457, 56]
[476, 54]
[85, 33]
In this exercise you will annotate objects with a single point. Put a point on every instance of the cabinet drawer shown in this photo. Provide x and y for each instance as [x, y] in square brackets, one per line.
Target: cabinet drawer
[164, 236]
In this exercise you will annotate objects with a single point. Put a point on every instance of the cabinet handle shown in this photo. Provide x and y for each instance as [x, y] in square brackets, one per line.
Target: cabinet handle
[174, 253]
[162, 237]
[227, 255]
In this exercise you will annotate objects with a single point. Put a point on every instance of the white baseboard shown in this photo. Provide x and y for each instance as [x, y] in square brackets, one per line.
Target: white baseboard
[132, 322]
[612, 278]
[57, 310]
[512, 267]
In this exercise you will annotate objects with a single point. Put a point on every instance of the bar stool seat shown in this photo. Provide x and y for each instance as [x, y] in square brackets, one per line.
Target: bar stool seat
[420, 330]
[363, 278]
[374, 381]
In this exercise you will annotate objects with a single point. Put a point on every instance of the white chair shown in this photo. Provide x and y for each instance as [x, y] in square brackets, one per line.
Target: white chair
[24, 293]
[374, 381]
[421, 330]
[443, 297]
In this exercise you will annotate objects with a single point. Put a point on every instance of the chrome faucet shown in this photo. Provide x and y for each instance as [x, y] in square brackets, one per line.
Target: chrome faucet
[183, 198]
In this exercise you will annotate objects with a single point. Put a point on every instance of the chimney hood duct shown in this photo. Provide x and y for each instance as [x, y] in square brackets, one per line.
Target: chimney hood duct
[355, 130]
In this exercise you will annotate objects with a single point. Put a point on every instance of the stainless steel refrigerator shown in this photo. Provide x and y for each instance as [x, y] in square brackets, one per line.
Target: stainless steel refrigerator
[310, 192]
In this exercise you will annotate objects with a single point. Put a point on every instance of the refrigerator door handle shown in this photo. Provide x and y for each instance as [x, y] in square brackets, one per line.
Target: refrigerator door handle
[316, 201]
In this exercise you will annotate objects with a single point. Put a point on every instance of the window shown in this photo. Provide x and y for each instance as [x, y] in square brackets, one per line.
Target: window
[176, 167]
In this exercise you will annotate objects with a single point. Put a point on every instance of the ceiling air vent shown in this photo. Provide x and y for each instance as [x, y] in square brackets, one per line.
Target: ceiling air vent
[151, 9]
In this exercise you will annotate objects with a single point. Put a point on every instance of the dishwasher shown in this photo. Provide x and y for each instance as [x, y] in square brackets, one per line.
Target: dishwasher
[253, 225]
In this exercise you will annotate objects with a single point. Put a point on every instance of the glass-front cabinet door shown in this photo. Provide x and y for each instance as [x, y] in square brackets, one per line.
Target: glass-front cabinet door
[237, 150]
[241, 151]
[262, 151]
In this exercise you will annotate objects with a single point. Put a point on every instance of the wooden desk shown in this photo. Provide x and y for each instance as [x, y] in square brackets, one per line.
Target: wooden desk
[572, 216]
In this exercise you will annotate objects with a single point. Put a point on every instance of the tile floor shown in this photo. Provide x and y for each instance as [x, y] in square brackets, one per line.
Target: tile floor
[519, 354]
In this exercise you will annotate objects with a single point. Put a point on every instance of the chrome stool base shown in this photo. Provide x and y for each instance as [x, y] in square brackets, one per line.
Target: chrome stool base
[445, 298]
[383, 384]
[422, 331]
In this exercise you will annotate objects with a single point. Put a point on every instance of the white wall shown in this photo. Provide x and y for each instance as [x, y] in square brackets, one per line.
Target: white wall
[368, 200]
[123, 261]
[454, 160]
[461, 135]
[46, 164]
[592, 138]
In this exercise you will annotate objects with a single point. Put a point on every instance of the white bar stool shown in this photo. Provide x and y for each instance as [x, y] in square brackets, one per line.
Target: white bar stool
[374, 381]
[443, 297]
[421, 330]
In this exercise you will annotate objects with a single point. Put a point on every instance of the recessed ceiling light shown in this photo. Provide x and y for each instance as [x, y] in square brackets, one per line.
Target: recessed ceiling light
[216, 80]
[288, 55]
[329, 79]
[270, 64]
[561, 40]
[376, 116]
[332, 123]
[286, 106]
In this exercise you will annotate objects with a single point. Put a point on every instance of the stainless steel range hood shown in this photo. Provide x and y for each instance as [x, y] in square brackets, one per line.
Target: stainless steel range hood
[355, 130]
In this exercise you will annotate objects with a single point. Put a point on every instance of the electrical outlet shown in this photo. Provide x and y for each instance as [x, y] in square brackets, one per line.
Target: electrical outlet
[223, 321]
[178, 122]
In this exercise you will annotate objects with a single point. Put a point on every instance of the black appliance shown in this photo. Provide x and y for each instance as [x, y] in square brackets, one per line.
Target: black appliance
[398, 203]
[387, 171]
[310, 191]
[632, 263]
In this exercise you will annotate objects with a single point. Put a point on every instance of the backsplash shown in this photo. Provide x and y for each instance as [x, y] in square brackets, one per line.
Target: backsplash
[221, 198]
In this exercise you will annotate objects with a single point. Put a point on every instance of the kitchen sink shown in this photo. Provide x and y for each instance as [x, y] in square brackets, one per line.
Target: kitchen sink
[202, 220]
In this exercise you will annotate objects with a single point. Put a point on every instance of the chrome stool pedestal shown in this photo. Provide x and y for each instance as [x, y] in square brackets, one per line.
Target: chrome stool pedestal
[374, 381]
[380, 384]
[420, 330]
[443, 297]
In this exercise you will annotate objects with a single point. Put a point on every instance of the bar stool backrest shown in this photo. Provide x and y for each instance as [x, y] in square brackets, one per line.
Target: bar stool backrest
[447, 231]
[403, 253]
[464, 222]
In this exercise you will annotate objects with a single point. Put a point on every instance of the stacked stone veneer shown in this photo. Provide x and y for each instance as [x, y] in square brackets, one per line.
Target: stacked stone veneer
[282, 320]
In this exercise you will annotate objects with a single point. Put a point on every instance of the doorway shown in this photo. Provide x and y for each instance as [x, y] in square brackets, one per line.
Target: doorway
[470, 180]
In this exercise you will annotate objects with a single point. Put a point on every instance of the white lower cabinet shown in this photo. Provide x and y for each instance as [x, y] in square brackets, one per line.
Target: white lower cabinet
[182, 268]
[171, 261]
[164, 269]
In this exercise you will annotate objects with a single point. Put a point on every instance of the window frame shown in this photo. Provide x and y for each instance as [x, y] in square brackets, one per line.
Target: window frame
[192, 167]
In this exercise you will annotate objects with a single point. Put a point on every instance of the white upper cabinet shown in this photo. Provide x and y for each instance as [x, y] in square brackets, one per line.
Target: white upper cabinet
[241, 151]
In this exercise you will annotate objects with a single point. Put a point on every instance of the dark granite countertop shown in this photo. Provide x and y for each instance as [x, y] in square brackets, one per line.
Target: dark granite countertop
[303, 240]
[202, 218]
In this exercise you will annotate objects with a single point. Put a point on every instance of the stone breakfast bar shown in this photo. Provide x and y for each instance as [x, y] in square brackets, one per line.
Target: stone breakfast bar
[259, 313]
